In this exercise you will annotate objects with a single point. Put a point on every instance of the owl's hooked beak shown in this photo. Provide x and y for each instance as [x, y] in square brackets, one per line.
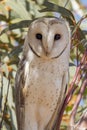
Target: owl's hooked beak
[48, 45]
[47, 51]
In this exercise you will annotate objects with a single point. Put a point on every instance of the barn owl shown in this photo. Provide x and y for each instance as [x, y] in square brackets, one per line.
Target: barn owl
[42, 74]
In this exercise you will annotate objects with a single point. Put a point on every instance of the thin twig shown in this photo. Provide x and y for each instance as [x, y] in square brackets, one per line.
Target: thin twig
[1, 87]
[66, 3]
[74, 110]
[78, 25]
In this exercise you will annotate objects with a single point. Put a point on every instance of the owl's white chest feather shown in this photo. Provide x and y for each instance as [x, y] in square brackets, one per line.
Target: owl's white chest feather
[43, 91]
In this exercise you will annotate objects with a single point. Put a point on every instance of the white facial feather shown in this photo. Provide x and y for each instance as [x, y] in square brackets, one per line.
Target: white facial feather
[45, 73]
[48, 46]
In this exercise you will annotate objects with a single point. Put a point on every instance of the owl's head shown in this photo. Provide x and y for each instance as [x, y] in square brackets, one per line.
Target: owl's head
[49, 37]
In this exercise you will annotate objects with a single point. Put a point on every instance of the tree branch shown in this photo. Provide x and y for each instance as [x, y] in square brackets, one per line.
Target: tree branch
[74, 110]
[71, 90]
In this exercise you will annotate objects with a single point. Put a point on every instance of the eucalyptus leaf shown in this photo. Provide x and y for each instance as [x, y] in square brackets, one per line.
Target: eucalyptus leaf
[71, 64]
[5, 70]
[2, 8]
[4, 38]
[18, 25]
[3, 17]
[84, 42]
[19, 8]
[15, 51]
[55, 8]
[84, 32]
[4, 46]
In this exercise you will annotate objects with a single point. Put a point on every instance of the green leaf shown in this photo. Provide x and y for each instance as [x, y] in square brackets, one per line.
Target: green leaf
[81, 34]
[3, 10]
[5, 69]
[71, 64]
[84, 42]
[19, 8]
[3, 17]
[4, 38]
[4, 46]
[55, 8]
[85, 32]
[18, 25]
[15, 51]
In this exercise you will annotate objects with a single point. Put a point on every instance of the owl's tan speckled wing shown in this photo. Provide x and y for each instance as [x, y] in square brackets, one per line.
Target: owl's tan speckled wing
[53, 122]
[19, 99]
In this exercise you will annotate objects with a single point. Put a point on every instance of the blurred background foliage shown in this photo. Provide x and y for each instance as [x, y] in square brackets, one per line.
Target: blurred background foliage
[15, 17]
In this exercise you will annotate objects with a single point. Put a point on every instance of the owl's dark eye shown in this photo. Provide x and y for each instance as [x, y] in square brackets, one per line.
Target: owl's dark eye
[39, 36]
[57, 36]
